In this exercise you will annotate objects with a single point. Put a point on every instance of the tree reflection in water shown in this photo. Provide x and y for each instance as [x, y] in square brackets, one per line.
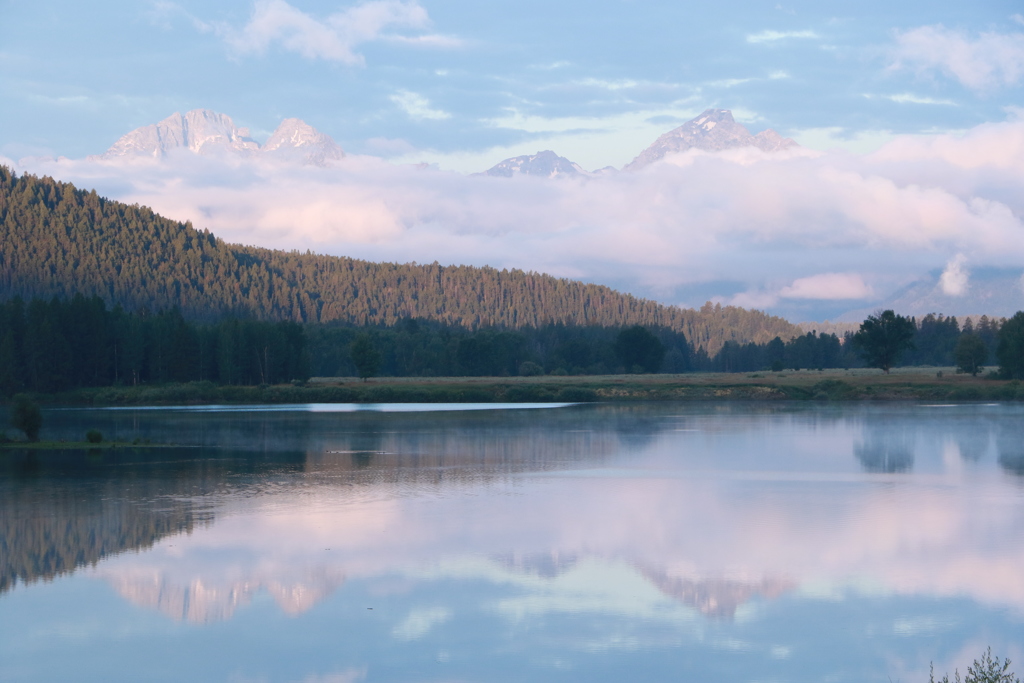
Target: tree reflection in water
[887, 448]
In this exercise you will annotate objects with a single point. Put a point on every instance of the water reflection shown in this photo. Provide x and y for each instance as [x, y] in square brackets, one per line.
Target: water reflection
[888, 447]
[60, 511]
[595, 543]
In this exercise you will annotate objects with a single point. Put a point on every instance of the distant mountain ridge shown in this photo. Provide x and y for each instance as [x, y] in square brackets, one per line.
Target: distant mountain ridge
[714, 130]
[996, 292]
[206, 132]
[545, 164]
[56, 240]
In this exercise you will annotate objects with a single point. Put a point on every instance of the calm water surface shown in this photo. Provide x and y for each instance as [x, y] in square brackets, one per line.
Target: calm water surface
[581, 543]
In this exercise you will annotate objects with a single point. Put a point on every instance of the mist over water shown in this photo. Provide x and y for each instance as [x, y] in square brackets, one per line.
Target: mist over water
[633, 542]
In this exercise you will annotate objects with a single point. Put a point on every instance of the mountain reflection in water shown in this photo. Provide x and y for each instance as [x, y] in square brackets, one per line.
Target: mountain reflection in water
[655, 528]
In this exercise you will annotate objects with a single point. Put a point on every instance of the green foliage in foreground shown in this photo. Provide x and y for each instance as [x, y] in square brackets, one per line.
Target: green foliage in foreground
[986, 669]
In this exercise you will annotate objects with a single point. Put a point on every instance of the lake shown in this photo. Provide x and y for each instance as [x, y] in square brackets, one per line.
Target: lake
[646, 542]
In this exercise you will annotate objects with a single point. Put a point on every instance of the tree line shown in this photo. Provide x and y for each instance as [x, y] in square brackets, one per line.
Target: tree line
[415, 348]
[934, 340]
[56, 240]
[58, 345]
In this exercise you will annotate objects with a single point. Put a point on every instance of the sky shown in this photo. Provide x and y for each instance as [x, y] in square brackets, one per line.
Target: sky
[908, 116]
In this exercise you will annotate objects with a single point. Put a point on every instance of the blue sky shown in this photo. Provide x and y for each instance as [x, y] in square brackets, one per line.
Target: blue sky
[463, 82]
[910, 118]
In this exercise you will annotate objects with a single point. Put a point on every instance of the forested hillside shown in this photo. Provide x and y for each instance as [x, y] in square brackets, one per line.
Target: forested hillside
[56, 240]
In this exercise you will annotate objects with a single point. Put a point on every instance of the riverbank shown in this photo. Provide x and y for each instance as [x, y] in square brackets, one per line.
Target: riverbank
[903, 384]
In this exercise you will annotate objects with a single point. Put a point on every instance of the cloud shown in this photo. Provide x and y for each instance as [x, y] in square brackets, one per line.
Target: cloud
[754, 299]
[623, 84]
[910, 98]
[334, 38]
[770, 36]
[828, 286]
[955, 277]
[162, 12]
[798, 227]
[420, 621]
[417, 106]
[998, 146]
[989, 61]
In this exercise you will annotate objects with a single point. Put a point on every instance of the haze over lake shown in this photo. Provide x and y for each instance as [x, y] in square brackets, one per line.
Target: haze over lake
[632, 542]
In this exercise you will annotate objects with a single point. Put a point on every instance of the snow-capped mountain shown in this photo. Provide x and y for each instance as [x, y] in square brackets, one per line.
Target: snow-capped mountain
[713, 131]
[208, 132]
[298, 140]
[546, 164]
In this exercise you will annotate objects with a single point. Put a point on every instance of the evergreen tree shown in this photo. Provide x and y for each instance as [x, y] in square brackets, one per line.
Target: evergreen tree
[1010, 351]
[883, 337]
[638, 350]
[366, 356]
[971, 353]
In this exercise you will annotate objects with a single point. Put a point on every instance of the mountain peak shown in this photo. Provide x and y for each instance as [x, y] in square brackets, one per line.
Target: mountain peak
[202, 131]
[295, 137]
[546, 164]
[713, 131]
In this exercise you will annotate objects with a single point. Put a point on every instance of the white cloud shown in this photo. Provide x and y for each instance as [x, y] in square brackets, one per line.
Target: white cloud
[828, 286]
[623, 84]
[417, 106]
[992, 145]
[955, 277]
[770, 36]
[334, 38]
[910, 98]
[754, 299]
[730, 82]
[419, 622]
[162, 12]
[983, 63]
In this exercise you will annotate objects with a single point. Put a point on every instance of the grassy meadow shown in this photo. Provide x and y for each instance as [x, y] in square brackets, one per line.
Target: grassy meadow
[913, 383]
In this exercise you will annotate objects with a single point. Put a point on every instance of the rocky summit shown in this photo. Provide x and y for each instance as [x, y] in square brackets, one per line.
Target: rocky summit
[206, 132]
[298, 140]
[545, 164]
[713, 131]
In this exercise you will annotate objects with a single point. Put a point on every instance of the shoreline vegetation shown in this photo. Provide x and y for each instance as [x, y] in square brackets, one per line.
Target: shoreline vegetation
[902, 384]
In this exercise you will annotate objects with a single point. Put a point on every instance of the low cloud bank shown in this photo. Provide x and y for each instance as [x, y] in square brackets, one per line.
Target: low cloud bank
[796, 232]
